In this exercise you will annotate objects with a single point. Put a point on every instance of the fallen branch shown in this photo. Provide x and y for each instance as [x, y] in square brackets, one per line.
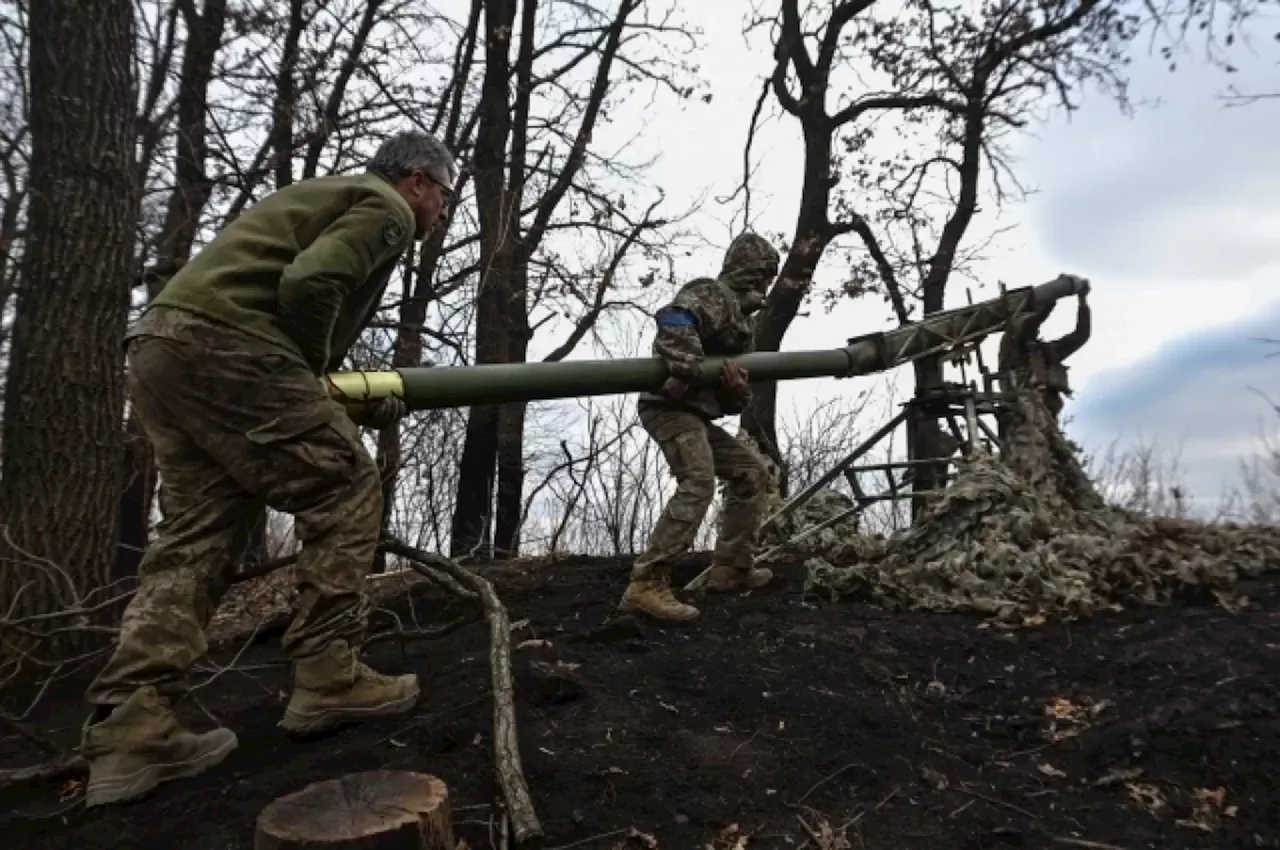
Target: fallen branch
[1080, 842]
[591, 839]
[18, 725]
[447, 574]
[432, 566]
[506, 745]
[58, 766]
[66, 766]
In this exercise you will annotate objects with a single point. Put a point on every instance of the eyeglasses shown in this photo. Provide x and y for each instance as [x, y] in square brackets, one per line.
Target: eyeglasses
[445, 189]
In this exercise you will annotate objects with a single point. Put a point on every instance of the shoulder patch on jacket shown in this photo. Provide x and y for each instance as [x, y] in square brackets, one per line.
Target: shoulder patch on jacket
[392, 232]
[676, 317]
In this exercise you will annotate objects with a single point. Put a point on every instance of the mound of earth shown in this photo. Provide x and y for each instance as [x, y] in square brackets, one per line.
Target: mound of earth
[768, 723]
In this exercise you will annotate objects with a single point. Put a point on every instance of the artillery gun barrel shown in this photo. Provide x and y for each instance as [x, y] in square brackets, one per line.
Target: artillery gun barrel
[425, 388]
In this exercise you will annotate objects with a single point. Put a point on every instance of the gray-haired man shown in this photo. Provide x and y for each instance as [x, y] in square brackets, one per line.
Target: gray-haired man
[226, 376]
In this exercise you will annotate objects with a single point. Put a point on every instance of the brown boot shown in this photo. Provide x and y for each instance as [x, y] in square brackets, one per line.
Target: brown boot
[726, 579]
[335, 687]
[653, 596]
[140, 745]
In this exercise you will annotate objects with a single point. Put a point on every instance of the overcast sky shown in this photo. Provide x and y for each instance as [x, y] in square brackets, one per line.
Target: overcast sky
[1173, 213]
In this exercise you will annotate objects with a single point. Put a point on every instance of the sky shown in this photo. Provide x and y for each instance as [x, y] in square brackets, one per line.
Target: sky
[1172, 212]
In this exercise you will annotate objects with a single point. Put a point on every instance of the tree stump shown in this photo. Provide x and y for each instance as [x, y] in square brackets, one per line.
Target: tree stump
[377, 810]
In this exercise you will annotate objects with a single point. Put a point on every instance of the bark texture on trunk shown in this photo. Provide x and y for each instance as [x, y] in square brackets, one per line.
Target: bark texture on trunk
[473, 506]
[64, 397]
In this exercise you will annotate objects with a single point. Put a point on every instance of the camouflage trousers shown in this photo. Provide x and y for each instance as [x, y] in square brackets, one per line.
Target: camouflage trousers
[236, 424]
[698, 452]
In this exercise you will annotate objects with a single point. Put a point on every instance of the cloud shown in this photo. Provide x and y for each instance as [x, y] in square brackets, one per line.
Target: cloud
[1197, 395]
[1184, 189]
[1171, 212]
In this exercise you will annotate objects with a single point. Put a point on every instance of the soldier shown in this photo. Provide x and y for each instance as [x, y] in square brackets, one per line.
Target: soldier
[1026, 361]
[226, 376]
[708, 317]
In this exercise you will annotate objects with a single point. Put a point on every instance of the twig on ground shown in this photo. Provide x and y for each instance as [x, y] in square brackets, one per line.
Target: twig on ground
[993, 801]
[232, 663]
[1080, 842]
[590, 839]
[63, 767]
[877, 807]
[824, 780]
[824, 837]
[506, 745]
[422, 634]
[15, 723]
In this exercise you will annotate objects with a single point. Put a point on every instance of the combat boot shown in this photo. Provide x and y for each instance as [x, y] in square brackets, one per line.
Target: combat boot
[725, 578]
[335, 687]
[141, 744]
[653, 596]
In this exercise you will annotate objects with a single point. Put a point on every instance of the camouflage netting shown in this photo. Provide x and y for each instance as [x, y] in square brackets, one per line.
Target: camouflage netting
[1028, 535]
[842, 541]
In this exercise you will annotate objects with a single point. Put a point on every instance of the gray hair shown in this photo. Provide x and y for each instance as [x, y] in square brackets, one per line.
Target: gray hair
[404, 153]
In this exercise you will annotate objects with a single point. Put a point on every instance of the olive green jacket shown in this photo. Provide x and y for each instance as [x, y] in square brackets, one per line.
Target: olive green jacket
[305, 268]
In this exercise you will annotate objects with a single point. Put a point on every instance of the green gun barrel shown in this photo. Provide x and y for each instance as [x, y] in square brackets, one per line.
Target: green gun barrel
[462, 386]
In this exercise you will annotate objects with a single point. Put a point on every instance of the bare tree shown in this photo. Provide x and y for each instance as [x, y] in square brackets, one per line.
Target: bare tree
[533, 152]
[66, 372]
[14, 150]
[173, 244]
[941, 72]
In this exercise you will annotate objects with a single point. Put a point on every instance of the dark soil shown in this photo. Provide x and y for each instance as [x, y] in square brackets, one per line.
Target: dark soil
[907, 730]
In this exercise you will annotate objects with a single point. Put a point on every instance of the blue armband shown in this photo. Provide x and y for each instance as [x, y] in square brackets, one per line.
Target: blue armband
[676, 317]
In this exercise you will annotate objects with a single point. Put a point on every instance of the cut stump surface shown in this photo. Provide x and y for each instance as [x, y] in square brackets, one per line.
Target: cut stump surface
[377, 810]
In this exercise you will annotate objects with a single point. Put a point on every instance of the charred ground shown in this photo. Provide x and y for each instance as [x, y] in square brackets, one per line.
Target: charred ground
[1155, 727]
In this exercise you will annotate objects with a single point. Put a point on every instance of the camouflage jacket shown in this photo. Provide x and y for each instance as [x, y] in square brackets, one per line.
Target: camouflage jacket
[1025, 358]
[305, 268]
[703, 320]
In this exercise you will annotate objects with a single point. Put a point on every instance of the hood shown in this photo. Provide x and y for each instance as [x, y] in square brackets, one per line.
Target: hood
[750, 264]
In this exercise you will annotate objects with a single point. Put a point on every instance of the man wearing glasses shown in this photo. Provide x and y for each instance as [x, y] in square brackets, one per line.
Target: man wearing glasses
[226, 375]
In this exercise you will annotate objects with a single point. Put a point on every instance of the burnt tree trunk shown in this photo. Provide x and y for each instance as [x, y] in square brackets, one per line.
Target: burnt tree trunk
[511, 428]
[495, 434]
[407, 351]
[813, 234]
[187, 202]
[924, 442]
[64, 397]
[509, 451]
[474, 500]
[282, 108]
